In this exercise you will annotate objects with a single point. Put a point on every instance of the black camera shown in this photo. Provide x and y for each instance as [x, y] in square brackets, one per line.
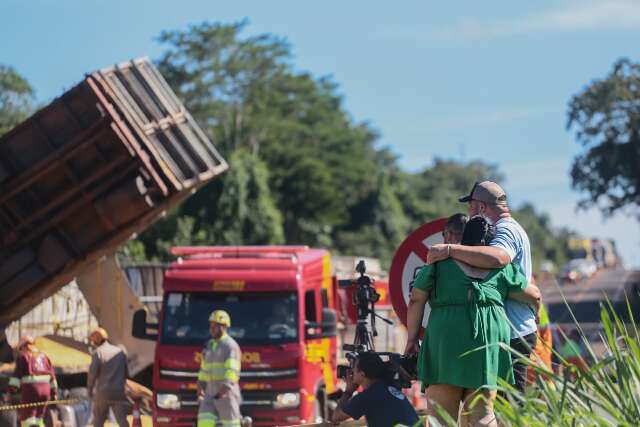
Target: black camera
[364, 296]
[343, 371]
[403, 369]
[352, 352]
[400, 370]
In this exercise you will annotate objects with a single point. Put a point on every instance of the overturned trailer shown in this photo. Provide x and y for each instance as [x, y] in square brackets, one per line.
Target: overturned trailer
[86, 172]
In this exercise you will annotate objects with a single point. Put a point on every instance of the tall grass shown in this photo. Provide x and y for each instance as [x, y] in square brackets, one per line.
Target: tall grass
[606, 393]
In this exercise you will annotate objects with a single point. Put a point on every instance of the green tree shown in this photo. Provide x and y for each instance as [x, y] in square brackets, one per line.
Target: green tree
[383, 224]
[439, 187]
[606, 116]
[16, 98]
[303, 171]
[246, 211]
[248, 96]
[224, 80]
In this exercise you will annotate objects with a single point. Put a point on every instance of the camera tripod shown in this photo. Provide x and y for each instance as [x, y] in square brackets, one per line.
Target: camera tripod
[363, 336]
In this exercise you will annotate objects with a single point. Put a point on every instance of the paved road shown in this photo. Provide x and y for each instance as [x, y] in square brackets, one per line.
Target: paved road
[584, 299]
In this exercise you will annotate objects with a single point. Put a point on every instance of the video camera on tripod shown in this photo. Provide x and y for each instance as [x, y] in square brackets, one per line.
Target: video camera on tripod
[401, 369]
[364, 298]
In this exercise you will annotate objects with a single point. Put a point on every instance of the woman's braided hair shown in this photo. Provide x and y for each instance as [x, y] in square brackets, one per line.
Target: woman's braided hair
[478, 232]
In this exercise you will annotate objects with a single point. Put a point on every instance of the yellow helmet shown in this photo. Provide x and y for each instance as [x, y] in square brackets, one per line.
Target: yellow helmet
[221, 317]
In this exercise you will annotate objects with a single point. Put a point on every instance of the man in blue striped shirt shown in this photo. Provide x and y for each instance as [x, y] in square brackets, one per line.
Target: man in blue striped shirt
[510, 245]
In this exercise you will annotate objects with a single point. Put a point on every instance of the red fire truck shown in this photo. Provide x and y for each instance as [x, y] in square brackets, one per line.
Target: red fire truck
[282, 302]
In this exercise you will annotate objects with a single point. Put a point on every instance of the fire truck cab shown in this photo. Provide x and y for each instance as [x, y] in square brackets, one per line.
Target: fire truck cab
[282, 302]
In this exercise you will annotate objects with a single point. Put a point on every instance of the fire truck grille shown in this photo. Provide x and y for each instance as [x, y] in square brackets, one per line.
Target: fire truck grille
[273, 374]
[178, 375]
[188, 399]
[250, 399]
[258, 399]
[191, 375]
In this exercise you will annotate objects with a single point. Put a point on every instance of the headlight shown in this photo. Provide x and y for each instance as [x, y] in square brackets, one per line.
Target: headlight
[286, 400]
[168, 401]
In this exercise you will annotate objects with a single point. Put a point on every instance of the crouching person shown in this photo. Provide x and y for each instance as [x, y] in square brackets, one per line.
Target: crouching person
[381, 404]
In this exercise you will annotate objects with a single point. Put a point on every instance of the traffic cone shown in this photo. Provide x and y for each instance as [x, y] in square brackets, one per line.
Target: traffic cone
[136, 421]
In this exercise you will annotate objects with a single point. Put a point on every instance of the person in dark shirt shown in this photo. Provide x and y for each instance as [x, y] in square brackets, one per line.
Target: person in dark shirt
[381, 404]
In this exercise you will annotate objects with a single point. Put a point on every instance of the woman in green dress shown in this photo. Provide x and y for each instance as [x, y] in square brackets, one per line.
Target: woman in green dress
[461, 355]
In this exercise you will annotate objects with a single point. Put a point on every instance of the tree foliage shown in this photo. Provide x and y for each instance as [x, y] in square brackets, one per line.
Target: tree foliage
[16, 98]
[439, 187]
[322, 165]
[246, 212]
[303, 171]
[606, 116]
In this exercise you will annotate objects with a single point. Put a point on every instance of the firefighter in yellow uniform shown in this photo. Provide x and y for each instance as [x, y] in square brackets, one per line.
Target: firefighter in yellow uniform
[218, 388]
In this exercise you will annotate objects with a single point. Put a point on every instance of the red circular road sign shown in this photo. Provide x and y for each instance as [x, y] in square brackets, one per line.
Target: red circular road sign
[407, 261]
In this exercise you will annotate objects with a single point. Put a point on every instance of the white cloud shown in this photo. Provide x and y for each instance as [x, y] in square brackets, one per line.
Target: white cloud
[571, 16]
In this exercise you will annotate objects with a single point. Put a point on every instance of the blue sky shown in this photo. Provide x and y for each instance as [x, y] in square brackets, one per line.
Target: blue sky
[466, 80]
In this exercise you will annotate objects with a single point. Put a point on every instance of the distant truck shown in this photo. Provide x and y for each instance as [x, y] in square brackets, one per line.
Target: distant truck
[604, 253]
[284, 303]
[580, 249]
[600, 251]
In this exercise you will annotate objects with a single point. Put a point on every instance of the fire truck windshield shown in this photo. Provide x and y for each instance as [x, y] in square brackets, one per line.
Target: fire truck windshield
[256, 318]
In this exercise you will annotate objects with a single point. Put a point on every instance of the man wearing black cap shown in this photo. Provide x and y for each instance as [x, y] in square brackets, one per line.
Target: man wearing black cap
[511, 244]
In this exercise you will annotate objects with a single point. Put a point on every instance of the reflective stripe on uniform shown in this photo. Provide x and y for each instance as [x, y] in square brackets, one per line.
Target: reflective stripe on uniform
[217, 371]
[229, 423]
[32, 421]
[206, 419]
[229, 363]
[232, 371]
[32, 379]
[232, 363]
[211, 365]
[14, 382]
[213, 368]
[219, 376]
[231, 375]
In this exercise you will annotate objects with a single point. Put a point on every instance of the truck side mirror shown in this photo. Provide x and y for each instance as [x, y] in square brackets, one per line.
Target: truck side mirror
[140, 326]
[325, 329]
[329, 323]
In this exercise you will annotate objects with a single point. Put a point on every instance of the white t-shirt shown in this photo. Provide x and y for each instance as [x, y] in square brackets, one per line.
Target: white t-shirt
[511, 237]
